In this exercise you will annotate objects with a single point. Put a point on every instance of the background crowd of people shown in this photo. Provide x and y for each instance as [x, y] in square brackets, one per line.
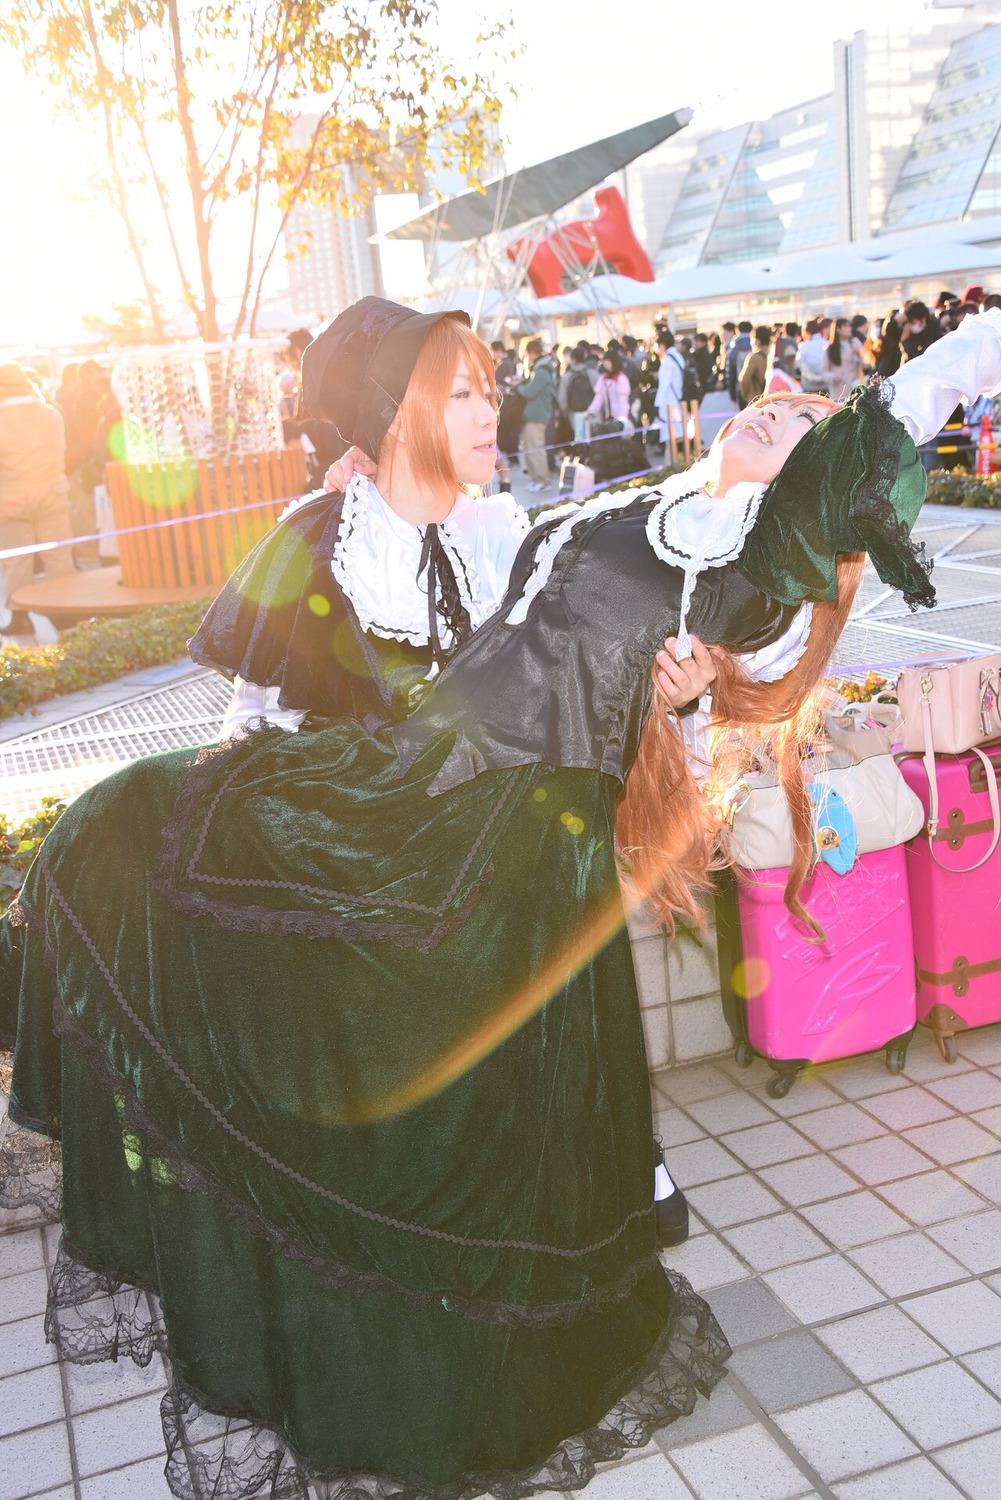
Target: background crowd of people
[558, 399]
[53, 449]
[615, 405]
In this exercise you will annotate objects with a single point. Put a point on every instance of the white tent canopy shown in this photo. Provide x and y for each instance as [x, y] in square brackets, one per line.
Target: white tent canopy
[954, 252]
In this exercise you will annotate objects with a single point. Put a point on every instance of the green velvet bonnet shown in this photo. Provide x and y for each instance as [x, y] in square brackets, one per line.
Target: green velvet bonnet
[854, 483]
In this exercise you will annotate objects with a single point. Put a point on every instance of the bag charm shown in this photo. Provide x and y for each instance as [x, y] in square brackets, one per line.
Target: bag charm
[834, 831]
[988, 700]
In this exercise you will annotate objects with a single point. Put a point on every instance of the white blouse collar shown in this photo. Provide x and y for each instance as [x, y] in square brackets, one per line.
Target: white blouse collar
[693, 530]
[376, 561]
[687, 528]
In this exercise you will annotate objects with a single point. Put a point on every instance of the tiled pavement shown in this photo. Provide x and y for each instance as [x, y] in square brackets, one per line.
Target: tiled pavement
[848, 1237]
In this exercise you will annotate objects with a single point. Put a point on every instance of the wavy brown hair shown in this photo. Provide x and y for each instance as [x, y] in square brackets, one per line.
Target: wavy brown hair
[668, 829]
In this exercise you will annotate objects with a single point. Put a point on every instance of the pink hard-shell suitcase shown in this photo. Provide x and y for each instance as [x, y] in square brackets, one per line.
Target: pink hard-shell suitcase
[956, 910]
[808, 1002]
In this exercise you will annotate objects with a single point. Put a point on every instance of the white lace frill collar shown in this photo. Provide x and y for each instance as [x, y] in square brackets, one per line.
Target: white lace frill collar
[687, 528]
[693, 530]
[376, 560]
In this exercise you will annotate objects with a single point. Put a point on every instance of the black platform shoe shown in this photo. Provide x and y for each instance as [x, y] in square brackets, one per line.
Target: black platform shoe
[672, 1219]
[671, 1212]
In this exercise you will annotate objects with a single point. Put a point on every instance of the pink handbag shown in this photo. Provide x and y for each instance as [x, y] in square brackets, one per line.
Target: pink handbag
[948, 709]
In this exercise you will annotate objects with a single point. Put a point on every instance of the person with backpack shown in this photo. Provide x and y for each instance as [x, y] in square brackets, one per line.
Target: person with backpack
[576, 391]
[736, 352]
[752, 371]
[703, 362]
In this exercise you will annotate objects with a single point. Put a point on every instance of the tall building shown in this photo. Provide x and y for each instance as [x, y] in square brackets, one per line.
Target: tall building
[884, 84]
[953, 165]
[756, 190]
[908, 138]
[330, 260]
[652, 185]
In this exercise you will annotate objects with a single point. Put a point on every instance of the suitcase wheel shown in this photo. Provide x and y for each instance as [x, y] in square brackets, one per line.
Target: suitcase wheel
[947, 1047]
[895, 1059]
[779, 1085]
[742, 1054]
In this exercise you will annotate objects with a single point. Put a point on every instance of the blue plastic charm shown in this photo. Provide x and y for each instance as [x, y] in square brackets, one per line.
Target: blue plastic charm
[834, 830]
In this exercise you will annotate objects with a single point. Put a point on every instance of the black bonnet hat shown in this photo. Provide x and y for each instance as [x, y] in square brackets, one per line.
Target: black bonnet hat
[355, 373]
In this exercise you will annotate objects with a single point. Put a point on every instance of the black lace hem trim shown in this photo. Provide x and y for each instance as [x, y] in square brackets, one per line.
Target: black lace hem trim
[30, 1156]
[433, 925]
[216, 1451]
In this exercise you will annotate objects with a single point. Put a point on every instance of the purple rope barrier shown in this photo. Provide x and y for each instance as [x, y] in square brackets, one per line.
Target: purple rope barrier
[36, 548]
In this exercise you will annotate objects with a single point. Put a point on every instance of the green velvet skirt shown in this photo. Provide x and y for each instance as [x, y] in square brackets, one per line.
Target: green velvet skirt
[354, 1114]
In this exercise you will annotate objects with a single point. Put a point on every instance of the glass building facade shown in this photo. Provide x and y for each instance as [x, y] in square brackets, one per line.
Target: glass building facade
[911, 136]
[953, 167]
[756, 190]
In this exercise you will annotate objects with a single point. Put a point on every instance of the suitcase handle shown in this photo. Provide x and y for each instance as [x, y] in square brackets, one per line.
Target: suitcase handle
[991, 779]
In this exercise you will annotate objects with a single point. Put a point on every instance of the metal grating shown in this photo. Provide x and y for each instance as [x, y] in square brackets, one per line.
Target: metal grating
[865, 644]
[66, 758]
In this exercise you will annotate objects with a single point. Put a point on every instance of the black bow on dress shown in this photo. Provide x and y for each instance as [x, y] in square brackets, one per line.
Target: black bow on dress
[443, 596]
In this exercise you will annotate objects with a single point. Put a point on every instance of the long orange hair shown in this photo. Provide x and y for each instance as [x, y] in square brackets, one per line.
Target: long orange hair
[422, 410]
[670, 832]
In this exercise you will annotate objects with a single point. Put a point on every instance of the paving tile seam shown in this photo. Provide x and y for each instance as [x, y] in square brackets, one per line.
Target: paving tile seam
[766, 1421]
[54, 1489]
[860, 1102]
[928, 1453]
[751, 1083]
[846, 1317]
[64, 1385]
[775, 1432]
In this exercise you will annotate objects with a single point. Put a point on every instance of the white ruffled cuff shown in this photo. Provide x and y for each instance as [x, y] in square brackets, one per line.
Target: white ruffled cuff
[251, 703]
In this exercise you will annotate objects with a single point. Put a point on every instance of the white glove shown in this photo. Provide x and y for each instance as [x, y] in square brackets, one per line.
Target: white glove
[957, 368]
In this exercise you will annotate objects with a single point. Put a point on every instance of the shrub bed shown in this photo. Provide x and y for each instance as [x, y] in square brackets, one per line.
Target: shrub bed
[93, 652]
[954, 487]
[19, 844]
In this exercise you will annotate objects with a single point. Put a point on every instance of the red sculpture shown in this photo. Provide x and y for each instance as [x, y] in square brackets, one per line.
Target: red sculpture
[575, 246]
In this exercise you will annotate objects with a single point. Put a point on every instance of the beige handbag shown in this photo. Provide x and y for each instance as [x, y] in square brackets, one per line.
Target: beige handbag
[860, 768]
[950, 708]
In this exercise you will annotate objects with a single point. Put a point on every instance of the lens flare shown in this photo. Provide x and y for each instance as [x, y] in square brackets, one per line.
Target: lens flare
[165, 489]
[751, 978]
[347, 649]
[287, 588]
[505, 1021]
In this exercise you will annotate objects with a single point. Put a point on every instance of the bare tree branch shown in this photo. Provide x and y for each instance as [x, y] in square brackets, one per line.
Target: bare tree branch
[156, 77]
[210, 322]
[163, 198]
[120, 195]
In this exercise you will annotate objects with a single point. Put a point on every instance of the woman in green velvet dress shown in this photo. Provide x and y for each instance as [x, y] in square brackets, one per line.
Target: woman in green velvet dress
[339, 1030]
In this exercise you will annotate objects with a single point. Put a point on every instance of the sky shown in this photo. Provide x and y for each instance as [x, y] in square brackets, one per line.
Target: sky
[587, 69]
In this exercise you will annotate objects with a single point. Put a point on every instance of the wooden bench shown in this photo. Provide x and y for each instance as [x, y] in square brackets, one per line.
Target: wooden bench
[190, 558]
